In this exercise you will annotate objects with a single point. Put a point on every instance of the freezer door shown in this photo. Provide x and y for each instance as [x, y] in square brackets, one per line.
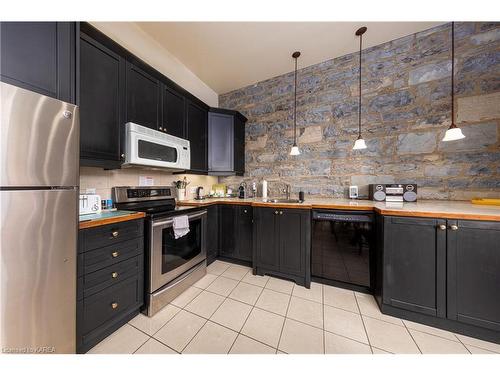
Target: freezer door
[39, 140]
[38, 240]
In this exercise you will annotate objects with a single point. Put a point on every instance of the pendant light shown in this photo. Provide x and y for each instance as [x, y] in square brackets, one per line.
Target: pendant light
[360, 142]
[454, 132]
[295, 149]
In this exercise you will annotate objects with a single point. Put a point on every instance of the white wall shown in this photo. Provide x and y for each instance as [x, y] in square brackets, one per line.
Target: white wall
[134, 39]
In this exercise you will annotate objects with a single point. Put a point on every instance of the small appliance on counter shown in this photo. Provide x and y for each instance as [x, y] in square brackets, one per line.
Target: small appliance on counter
[199, 193]
[353, 192]
[90, 204]
[393, 192]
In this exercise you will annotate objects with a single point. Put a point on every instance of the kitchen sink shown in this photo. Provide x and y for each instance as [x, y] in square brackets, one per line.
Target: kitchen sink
[282, 200]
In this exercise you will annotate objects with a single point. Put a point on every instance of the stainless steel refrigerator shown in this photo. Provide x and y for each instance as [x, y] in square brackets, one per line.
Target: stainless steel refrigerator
[39, 177]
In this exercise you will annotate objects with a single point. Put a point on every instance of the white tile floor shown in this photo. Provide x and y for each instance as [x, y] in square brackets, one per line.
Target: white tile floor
[232, 311]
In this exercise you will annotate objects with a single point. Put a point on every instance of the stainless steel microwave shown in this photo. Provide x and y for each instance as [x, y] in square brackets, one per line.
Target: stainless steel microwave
[151, 148]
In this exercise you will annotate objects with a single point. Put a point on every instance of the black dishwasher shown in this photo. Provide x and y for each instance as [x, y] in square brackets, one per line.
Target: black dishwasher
[343, 248]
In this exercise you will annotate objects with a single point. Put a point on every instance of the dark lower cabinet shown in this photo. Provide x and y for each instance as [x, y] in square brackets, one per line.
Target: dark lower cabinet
[212, 233]
[39, 56]
[143, 98]
[235, 232]
[415, 265]
[281, 243]
[110, 280]
[101, 101]
[474, 273]
[196, 133]
[443, 273]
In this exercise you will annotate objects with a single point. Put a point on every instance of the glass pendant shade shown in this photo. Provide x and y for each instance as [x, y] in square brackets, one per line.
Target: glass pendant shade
[359, 144]
[295, 150]
[453, 133]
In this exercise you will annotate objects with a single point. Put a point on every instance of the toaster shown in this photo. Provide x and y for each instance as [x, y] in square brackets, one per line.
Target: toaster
[90, 204]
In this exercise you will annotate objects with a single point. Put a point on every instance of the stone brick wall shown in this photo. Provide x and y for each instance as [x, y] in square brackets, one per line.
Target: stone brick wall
[405, 112]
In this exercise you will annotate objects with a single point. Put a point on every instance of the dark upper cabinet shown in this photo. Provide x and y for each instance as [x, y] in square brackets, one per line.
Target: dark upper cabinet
[196, 133]
[143, 98]
[226, 142]
[227, 230]
[281, 243]
[239, 145]
[473, 273]
[414, 264]
[212, 233]
[220, 142]
[39, 56]
[174, 115]
[101, 101]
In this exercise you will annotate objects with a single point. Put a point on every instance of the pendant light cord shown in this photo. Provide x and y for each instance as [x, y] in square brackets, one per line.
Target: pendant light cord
[359, 104]
[453, 74]
[295, 107]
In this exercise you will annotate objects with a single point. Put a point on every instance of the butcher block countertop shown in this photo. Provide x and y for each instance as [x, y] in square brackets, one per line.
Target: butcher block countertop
[108, 217]
[423, 208]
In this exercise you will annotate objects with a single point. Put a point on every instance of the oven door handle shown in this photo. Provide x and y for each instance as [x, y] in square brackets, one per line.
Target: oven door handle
[170, 221]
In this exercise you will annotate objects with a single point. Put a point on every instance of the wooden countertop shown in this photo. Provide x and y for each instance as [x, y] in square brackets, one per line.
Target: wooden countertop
[108, 217]
[423, 208]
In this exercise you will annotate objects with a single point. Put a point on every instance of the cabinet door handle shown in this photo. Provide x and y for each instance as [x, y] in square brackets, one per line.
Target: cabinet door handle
[442, 227]
[114, 254]
[245, 211]
[454, 227]
[115, 233]
[114, 275]
[276, 212]
[281, 212]
[161, 128]
[114, 305]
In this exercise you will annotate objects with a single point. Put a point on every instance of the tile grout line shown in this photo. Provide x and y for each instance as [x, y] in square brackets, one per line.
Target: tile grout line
[208, 319]
[253, 307]
[363, 322]
[465, 346]
[286, 315]
[323, 311]
[407, 330]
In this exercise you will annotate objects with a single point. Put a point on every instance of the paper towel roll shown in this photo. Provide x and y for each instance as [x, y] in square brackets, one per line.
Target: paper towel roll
[264, 189]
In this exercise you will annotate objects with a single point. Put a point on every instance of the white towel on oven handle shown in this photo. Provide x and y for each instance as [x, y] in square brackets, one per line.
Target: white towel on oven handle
[180, 226]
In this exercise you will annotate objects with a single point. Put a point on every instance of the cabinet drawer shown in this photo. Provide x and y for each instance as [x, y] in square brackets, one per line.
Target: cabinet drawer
[107, 256]
[110, 234]
[110, 303]
[106, 277]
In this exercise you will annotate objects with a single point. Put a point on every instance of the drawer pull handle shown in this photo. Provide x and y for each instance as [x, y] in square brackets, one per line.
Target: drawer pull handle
[281, 212]
[114, 275]
[442, 227]
[115, 234]
[276, 212]
[454, 227]
[114, 305]
[245, 211]
[114, 254]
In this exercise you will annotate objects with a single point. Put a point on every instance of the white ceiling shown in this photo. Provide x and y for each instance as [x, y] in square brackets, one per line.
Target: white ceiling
[231, 55]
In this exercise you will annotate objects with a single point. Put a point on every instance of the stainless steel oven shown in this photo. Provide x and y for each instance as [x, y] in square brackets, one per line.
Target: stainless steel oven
[170, 257]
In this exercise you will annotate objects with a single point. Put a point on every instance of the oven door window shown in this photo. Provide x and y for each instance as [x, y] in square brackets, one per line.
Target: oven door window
[177, 252]
[154, 151]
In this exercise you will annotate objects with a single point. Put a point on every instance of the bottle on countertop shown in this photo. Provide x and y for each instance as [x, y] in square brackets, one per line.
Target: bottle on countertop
[264, 189]
[254, 189]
